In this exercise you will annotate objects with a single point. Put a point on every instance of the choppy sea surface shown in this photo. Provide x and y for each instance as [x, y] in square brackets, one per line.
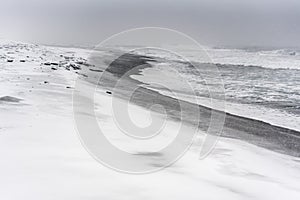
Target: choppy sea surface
[259, 84]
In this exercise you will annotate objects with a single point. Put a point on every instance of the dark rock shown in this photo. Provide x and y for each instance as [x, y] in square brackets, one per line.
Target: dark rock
[10, 99]
[108, 92]
[87, 64]
[22, 60]
[53, 68]
[9, 60]
[54, 63]
[79, 62]
[47, 63]
[75, 67]
[96, 70]
[84, 75]
[46, 82]
[69, 57]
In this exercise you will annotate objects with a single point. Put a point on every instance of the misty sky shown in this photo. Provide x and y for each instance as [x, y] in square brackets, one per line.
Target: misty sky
[214, 22]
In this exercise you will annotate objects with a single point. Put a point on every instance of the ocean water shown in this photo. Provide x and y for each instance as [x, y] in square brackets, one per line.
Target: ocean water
[258, 84]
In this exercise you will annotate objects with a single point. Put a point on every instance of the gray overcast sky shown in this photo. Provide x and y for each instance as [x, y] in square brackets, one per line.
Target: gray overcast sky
[214, 22]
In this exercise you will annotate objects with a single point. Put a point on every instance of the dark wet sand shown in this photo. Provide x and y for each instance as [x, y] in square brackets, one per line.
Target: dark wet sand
[256, 132]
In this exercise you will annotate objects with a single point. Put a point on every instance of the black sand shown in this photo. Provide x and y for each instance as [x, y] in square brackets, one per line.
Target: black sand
[256, 132]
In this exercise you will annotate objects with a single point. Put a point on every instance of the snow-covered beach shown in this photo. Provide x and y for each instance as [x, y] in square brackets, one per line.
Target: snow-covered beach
[43, 157]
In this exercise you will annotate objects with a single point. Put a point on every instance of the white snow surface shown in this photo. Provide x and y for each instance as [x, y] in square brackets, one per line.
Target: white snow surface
[42, 157]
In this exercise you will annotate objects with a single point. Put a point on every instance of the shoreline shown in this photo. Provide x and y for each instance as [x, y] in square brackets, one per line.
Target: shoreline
[257, 132]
